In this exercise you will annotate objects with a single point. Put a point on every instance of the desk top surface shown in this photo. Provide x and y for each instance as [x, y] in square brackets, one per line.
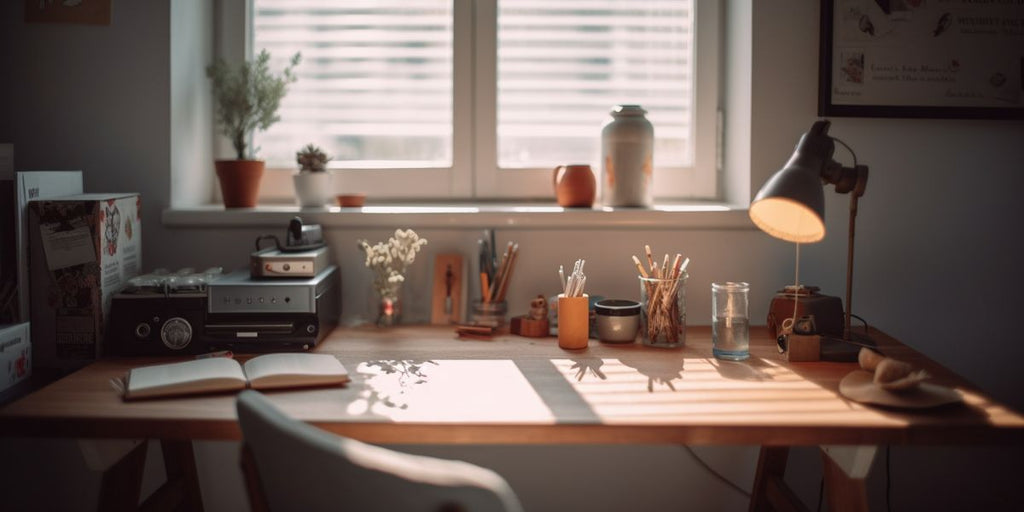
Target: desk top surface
[425, 385]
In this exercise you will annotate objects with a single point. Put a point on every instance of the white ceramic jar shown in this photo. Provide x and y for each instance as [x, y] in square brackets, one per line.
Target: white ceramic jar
[627, 157]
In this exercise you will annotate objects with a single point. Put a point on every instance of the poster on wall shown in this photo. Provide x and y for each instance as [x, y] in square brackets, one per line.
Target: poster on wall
[922, 58]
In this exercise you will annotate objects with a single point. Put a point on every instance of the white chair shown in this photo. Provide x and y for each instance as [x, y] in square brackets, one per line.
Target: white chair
[291, 465]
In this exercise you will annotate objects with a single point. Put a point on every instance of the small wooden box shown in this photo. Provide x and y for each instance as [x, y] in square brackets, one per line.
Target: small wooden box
[529, 327]
[803, 348]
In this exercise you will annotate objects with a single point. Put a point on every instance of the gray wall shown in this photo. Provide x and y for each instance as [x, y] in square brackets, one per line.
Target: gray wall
[936, 250]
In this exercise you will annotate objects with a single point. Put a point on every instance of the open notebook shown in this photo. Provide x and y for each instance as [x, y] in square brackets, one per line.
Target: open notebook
[221, 374]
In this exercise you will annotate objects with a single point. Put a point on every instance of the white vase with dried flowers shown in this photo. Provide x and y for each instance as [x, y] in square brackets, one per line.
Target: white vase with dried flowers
[388, 260]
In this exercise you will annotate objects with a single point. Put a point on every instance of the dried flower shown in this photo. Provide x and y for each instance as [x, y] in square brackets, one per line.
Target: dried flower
[389, 260]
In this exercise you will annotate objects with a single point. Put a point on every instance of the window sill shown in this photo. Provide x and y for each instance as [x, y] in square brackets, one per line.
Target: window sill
[470, 216]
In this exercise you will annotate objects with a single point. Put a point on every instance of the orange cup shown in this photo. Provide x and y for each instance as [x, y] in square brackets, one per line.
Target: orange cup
[573, 322]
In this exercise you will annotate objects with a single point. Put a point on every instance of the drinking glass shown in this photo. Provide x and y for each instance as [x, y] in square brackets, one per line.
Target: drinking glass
[730, 331]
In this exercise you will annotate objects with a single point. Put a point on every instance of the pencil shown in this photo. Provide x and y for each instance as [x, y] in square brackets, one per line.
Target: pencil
[650, 259]
[485, 289]
[639, 266]
[507, 275]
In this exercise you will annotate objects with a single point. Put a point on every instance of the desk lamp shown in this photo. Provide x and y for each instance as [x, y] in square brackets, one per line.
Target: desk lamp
[791, 204]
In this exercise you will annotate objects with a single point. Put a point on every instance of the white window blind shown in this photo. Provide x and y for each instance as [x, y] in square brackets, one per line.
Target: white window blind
[375, 83]
[563, 65]
[482, 98]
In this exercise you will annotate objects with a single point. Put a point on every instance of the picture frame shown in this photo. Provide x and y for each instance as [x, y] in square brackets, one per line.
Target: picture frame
[73, 12]
[921, 59]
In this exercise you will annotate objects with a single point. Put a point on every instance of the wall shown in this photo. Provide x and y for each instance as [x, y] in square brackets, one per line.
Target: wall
[935, 266]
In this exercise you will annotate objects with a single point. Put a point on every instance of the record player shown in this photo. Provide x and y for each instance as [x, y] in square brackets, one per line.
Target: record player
[188, 312]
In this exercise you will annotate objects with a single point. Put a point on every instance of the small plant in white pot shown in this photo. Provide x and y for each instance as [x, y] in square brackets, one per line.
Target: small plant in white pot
[246, 98]
[313, 181]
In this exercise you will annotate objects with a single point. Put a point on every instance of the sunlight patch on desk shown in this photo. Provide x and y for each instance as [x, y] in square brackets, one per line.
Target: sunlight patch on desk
[457, 391]
[699, 390]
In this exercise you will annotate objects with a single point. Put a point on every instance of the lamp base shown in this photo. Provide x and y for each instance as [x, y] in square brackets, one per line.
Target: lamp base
[838, 350]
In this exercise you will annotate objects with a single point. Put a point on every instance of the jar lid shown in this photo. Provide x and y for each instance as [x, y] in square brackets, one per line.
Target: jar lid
[617, 307]
[730, 286]
[628, 110]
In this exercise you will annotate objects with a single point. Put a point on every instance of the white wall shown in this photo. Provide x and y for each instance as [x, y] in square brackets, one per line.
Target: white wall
[936, 251]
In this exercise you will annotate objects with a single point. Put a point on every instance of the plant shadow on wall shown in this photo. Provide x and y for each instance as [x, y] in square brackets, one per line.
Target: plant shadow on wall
[247, 99]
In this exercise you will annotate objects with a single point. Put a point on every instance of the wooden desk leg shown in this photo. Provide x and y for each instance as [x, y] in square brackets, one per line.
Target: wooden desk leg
[181, 491]
[844, 469]
[119, 487]
[770, 491]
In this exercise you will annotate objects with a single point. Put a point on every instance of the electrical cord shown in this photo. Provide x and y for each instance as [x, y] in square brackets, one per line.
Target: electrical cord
[716, 474]
[848, 149]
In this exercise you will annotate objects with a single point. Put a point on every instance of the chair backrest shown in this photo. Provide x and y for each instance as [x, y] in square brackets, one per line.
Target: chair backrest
[300, 467]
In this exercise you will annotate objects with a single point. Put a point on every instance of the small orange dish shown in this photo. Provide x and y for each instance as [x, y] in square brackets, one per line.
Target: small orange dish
[351, 200]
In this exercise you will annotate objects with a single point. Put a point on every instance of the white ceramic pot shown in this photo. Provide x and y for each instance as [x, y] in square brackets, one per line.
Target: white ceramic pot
[313, 189]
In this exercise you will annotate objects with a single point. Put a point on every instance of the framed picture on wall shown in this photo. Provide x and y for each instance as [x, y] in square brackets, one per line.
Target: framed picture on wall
[922, 59]
[76, 12]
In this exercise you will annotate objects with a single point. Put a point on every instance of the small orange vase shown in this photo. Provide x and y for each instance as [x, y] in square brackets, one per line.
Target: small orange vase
[575, 186]
[239, 182]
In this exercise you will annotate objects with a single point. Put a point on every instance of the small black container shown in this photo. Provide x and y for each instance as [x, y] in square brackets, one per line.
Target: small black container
[618, 320]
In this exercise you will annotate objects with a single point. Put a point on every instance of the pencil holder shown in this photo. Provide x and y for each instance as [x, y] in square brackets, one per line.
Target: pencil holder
[573, 321]
[663, 311]
[491, 314]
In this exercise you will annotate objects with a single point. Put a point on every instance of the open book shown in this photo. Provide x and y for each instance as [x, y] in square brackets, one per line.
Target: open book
[222, 374]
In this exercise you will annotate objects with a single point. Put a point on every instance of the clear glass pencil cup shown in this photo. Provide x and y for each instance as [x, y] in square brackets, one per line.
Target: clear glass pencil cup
[663, 311]
[491, 314]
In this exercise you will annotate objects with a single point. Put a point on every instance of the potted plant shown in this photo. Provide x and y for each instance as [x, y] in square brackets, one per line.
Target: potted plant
[247, 99]
[312, 182]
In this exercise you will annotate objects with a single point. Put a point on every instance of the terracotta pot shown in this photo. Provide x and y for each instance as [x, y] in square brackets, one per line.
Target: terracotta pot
[575, 185]
[239, 182]
[351, 200]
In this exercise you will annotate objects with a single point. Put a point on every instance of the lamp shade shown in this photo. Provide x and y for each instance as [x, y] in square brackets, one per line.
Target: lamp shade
[791, 204]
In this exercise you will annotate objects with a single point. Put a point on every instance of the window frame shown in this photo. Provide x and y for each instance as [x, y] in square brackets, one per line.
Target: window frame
[474, 174]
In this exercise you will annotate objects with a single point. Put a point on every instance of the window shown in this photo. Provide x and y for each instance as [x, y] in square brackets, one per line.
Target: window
[481, 99]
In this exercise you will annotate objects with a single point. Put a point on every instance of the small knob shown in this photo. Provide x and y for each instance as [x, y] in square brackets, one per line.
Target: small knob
[176, 333]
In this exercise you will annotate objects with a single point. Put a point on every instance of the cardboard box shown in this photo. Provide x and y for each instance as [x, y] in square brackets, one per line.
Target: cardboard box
[15, 354]
[83, 249]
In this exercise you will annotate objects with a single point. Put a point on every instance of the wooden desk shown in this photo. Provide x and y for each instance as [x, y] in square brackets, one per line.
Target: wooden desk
[423, 385]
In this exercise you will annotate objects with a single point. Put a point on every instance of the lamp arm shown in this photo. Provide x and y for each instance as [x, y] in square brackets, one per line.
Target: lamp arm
[849, 266]
[858, 190]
